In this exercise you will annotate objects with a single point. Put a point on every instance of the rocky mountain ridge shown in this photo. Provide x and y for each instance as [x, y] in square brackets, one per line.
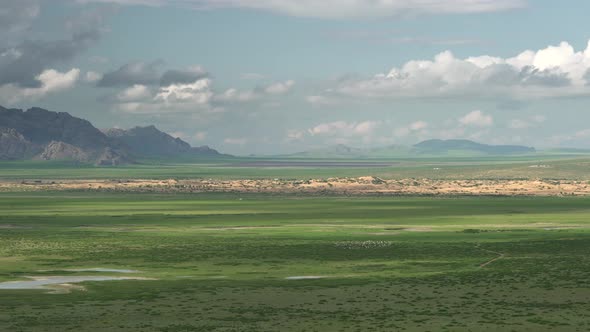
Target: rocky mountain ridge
[45, 135]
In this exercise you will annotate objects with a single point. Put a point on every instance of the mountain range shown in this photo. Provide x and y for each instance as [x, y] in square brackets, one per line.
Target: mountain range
[45, 135]
[429, 148]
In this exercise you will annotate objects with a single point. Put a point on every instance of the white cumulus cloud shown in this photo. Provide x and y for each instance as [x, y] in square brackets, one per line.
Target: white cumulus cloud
[344, 129]
[554, 71]
[477, 119]
[234, 95]
[280, 87]
[190, 97]
[51, 81]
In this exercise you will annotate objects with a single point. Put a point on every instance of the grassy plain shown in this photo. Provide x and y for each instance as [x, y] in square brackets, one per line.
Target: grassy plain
[567, 167]
[221, 262]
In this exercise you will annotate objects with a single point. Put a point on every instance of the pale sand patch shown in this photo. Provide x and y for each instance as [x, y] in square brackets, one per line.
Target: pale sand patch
[11, 226]
[96, 269]
[380, 233]
[236, 228]
[560, 228]
[305, 277]
[53, 282]
[65, 288]
[418, 229]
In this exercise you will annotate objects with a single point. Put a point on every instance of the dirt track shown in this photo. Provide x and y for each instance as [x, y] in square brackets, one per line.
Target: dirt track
[500, 256]
[335, 186]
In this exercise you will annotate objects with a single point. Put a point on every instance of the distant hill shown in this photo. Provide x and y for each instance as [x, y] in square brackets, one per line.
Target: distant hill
[41, 134]
[341, 151]
[336, 151]
[459, 146]
[455, 148]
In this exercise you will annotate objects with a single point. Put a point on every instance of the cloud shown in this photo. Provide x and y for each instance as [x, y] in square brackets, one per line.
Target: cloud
[135, 93]
[577, 138]
[519, 124]
[50, 80]
[200, 136]
[177, 91]
[235, 141]
[22, 63]
[344, 129]
[555, 71]
[236, 96]
[477, 119]
[525, 124]
[197, 92]
[92, 77]
[189, 75]
[320, 101]
[189, 90]
[176, 98]
[412, 128]
[295, 135]
[150, 74]
[133, 73]
[339, 9]
[280, 87]
[418, 125]
[17, 15]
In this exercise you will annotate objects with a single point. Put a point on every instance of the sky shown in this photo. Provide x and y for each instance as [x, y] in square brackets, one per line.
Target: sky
[275, 77]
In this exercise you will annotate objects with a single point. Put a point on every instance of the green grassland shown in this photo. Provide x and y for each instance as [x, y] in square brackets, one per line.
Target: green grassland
[220, 263]
[507, 167]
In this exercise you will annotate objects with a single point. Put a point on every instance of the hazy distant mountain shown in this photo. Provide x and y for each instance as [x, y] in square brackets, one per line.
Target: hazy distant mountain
[342, 151]
[458, 146]
[151, 142]
[42, 134]
[336, 151]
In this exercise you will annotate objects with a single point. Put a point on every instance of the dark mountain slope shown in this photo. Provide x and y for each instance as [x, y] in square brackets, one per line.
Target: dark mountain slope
[41, 126]
[151, 142]
[41, 134]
